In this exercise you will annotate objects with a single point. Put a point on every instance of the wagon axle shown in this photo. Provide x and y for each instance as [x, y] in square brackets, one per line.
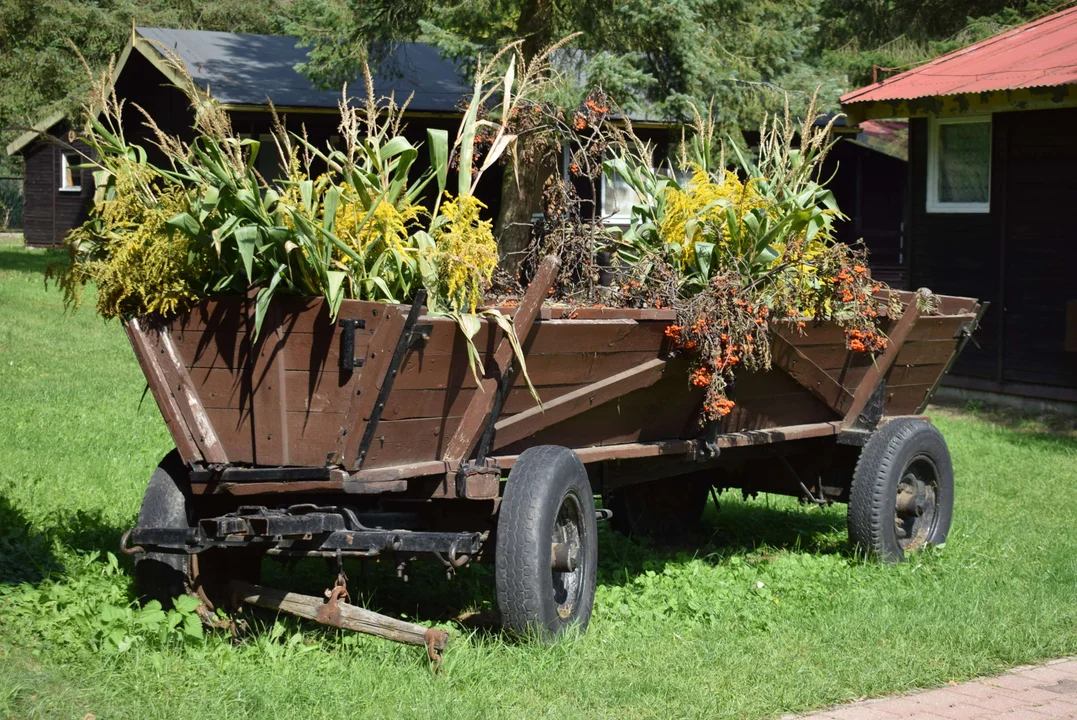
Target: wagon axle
[302, 531]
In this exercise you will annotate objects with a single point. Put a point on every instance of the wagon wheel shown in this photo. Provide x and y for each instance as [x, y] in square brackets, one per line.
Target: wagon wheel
[546, 555]
[902, 498]
[666, 510]
[168, 503]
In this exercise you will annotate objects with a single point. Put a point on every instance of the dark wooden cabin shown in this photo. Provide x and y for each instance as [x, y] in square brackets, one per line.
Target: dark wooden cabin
[992, 152]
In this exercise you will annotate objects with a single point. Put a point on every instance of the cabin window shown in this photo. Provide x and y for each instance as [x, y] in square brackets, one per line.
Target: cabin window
[959, 165]
[617, 200]
[70, 174]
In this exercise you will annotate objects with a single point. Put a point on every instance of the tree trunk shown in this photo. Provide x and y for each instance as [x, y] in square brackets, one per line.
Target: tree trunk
[518, 203]
[520, 200]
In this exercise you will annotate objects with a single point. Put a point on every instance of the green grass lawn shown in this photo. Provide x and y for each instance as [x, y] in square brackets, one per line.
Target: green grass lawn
[767, 613]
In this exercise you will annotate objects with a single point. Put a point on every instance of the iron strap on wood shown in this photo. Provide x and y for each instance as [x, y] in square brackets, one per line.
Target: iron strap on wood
[402, 344]
[965, 333]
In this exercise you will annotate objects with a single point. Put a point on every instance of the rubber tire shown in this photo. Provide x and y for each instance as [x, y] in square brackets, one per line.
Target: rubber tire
[165, 504]
[538, 482]
[873, 495]
[168, 503]
[667, 510]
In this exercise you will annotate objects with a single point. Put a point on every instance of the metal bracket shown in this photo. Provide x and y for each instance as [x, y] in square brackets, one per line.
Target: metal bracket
[478, 481]
[348, 360]
[409, 335]
[867, 420]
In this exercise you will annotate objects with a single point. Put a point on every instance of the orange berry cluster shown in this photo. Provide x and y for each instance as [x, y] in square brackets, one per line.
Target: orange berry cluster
[719, 408]
[865, 340]
[701, 377]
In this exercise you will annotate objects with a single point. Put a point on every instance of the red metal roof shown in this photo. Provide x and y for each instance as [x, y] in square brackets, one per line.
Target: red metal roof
[1042, 53]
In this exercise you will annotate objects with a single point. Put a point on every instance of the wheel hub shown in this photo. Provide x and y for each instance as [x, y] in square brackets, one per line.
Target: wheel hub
[916, 505]
[565, 544]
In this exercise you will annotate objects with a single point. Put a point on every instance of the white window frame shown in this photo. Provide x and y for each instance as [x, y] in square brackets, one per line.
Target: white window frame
[933, 203]
[76, 175]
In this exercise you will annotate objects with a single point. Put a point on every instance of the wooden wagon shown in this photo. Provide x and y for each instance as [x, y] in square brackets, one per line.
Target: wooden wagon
[370, 436]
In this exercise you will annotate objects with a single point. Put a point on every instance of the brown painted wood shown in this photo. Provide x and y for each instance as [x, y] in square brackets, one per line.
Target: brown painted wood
[939, 327]
[631, 451]
[228, 348]
[593, 313]
[387, 325]
[905, 399]
[898, 375]
[926, 352]
[272, 488]
[554, 336]
[302, 314]
[528, 422]
[809, 375]
[947, 304]
[830, 334]
[882, 364]
[161, 352]
[435, 389]
[425, 372]
[661, 411]
[404, 471]
[474, 420]
[235, 430]
[159, 388]
[770, 411]
[268, 393]
[835, 356]
[928, 327]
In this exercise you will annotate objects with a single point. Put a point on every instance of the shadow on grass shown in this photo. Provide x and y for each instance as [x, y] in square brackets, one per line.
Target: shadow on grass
[751, 530]
[16, 259]
[25, 554]
[1045, 424]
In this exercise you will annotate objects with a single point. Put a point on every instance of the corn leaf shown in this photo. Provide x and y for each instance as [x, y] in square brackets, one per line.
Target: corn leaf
[246, 237]
[509, 328]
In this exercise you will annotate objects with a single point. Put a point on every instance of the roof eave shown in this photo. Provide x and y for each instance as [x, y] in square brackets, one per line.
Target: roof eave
[980, 103]
[37, 130]
[40, 128]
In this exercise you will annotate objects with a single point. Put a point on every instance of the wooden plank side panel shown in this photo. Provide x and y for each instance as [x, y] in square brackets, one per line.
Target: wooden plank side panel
[809, 375]
[881, 365]
[658, 412]
[166, 400]
[435, 386]
[306, 351]
[905, 399]
[422, 372]
[235, 431]
[532, 420]
[268, 391]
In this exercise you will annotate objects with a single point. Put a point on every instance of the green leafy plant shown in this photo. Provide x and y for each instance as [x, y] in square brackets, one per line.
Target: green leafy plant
[743, 248]
[91, 611]
[341, 223]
